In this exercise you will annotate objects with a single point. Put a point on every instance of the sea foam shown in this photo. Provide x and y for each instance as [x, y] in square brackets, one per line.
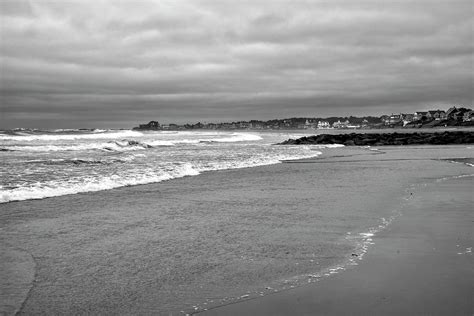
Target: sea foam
[54, 137]
[123, 145]
[91, 184]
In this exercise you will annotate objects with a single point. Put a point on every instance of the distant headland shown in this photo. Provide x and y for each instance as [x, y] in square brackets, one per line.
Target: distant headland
[454, 116]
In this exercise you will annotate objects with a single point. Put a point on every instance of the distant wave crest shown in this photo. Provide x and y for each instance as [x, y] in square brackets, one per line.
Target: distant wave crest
[112, 145]
[100, 134]
[122, 145]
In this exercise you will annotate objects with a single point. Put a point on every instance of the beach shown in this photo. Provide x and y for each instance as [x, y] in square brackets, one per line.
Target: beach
[422, 264]
[264, 157]
[301, 237]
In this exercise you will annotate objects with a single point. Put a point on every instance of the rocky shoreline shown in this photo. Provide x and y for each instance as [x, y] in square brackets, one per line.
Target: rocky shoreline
[386, 139]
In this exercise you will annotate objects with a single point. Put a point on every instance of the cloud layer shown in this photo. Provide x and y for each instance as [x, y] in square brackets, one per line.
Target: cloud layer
[114, 63]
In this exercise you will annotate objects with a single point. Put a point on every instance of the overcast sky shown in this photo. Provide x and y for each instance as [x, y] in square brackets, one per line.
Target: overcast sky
[110, 63]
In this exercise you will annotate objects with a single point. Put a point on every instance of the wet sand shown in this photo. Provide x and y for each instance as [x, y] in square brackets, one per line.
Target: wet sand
[422, 264]
[188, 244]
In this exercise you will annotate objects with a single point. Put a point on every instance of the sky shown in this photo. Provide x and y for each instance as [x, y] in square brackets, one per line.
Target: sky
[117, 63]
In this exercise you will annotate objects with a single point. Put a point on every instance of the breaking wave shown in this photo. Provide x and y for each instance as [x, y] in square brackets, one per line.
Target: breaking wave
[167, 171]
[40, 164]
[123, 145]
[91, 184]
[81, 161]
[236, 137]
[100, 134]
[112, 145]
[233, 138]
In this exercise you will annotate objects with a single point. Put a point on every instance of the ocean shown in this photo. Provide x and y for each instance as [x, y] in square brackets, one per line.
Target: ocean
[38, 164]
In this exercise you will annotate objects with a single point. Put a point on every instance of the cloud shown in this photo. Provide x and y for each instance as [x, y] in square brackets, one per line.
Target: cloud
[116, 62]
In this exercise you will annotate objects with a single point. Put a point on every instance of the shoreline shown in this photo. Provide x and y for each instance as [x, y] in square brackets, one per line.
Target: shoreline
[112, 204]
[300, 300]
[404, 272]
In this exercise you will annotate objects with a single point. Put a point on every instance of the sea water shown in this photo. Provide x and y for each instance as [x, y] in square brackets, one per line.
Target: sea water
[38, 164]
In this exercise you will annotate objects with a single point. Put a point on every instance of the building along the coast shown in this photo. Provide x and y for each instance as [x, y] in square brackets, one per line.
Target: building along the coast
[468, 116]
[392, 119]
[436, 115]
[340, 124]
[450, 112]
[365, 123]
[419, 115]
[324, 125]
[310, 124]
[407, 118]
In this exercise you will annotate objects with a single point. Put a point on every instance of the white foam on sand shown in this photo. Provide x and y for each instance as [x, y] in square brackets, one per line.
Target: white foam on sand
[81, 185]
[365, 239]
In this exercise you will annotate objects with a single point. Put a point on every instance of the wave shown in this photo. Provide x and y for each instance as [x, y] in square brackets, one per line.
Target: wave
[20, 136]
[123, 145]
[74, 186]
[237, 137]
[467, 161]
[37, 131]
[134, 177]
[82, 161]
[327, 146]
[126, 145]
[233, 138]
[114, 145]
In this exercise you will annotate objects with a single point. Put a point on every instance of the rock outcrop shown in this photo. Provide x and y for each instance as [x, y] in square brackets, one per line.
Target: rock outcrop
[385, 139]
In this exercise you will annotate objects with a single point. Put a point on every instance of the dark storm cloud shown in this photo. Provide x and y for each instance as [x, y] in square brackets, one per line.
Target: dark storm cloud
[119, 62]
